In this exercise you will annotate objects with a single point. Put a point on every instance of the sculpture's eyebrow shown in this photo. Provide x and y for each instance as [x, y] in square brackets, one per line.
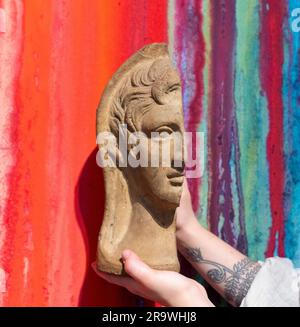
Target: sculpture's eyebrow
[137, 95]
[173, 86]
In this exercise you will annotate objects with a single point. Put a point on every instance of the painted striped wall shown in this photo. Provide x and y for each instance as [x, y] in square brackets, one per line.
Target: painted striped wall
[239, 64]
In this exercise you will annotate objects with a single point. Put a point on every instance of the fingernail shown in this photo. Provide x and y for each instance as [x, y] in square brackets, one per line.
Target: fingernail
[125, 254]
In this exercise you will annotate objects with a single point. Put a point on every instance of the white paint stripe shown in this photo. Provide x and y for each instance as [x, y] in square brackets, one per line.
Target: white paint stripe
[25, 272]
[10, 49]
[171, 27]
[2, 281]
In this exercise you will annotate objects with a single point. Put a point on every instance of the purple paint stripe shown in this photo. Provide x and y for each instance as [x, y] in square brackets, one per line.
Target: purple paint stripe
[190, 60]
[195, 110]
[242, 242]
[221, 118]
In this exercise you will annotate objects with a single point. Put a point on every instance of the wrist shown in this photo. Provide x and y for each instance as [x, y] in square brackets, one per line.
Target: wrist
[188, 230]
[194, 295]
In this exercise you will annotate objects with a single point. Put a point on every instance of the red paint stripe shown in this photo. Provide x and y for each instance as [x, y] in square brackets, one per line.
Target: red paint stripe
[143, 22]
[272, 56]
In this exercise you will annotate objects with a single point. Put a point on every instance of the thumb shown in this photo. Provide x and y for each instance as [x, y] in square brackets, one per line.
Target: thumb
[136, 268]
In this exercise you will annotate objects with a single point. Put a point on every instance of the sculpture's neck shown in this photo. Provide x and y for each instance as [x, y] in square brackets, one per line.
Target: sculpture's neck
[150, 239]
[160, 220]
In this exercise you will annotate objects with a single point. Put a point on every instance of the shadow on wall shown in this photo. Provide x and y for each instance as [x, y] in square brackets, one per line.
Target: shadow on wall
[89, 206]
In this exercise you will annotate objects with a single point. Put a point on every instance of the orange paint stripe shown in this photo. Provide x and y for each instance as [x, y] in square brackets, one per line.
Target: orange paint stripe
[27, 268]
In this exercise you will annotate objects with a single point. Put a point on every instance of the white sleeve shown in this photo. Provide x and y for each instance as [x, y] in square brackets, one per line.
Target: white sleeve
[277, 284]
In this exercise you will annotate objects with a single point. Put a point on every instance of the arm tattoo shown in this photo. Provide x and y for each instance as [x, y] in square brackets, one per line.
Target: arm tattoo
[237, 280]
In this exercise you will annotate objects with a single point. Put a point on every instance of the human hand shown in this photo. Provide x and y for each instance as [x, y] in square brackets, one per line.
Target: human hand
[166, 287]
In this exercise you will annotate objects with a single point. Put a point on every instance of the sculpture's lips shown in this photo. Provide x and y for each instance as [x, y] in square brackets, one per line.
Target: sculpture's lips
[176, 179]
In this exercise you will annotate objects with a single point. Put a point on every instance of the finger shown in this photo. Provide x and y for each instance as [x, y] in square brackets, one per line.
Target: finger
[137, 269]
[108, 277]
[151, 278]
[165, 287]
[123, 281]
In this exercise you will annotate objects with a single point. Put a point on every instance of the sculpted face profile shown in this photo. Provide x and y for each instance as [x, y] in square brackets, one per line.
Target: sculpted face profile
[144, 95]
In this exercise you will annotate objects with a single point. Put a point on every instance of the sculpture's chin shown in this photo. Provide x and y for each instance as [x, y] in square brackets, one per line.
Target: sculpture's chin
[172, 196]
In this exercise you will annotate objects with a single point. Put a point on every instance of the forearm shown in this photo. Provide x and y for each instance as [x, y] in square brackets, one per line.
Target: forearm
[230, 272]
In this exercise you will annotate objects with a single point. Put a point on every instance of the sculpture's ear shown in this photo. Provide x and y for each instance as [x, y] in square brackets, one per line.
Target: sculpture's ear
[108, 154]
[121, 157]
[125, 144]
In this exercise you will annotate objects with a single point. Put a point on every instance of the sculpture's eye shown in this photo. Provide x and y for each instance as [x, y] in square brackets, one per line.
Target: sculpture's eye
[162, 133]
[173, 88]
[164, 130]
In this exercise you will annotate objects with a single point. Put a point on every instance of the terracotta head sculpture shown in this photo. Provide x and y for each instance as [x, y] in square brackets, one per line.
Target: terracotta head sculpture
[144, 96]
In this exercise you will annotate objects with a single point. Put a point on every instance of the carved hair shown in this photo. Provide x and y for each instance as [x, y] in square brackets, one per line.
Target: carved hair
[144, 86]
